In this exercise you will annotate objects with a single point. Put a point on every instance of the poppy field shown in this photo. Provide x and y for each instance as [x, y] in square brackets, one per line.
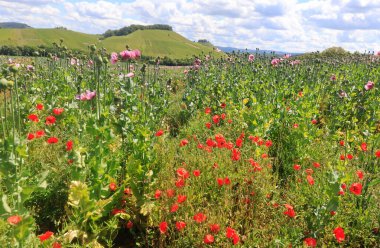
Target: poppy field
[248, 150]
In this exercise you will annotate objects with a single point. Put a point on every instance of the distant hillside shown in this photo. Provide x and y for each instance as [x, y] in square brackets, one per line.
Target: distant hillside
[234, 49]
[13, 25]
[151, 42]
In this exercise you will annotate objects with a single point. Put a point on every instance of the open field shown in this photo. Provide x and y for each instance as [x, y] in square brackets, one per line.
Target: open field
[249, 151]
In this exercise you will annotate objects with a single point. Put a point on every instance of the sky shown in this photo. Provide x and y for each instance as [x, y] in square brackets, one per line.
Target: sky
[281, 25]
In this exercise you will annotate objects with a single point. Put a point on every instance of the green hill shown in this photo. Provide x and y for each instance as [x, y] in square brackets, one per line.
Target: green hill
[151, 42]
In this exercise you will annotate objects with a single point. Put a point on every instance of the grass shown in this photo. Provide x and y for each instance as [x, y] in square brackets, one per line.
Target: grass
[152, 42]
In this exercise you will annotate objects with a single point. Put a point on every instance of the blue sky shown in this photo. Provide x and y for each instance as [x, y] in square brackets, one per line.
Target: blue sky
[287, 25]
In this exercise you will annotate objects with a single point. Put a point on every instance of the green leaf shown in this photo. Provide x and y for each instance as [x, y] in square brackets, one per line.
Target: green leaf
[5, 204]
[374, 182]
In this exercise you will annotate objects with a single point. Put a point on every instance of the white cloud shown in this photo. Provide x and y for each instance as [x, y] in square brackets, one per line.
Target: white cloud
[291, 25]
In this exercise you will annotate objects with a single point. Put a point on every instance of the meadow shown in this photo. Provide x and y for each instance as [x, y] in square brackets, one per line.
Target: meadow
[244, 150]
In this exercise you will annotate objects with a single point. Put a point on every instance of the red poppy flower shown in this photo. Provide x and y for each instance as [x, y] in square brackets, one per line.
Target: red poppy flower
[69, 145]
[116, 211]
[199, 217]
[342, 157]
[163, 227]
[30, 136]
[297, 167]
[295, 125]
[170, 193]
[196, 173]
[14, 220]
[220, 181]
[230, 232]
[58, 111]
[364, 147]
[216, 119]
[227, 181]
[235, 239]
[229, 121]
[113, 186]
[182, 172]
[341, 143]
[222, 105]
[208, 125]
[181, 198]
[310, 179]
[356, 188]
[332, 213]
[40, 133]
[310, 242]
[316, 165]
[235, 154]
[343, 186]
[350, 156]
[314, 121]
[180, 225]
[339, 234]
[45, 236]
[214, 228]
[57, 245]
[52, 140]
[183, 142]
[159, 133]
[33, 118]
[268, 143]
[360, 174]
[208, 239]
[129, 224]
[208, 110]
[180, 183]
[239, 142]
[50, 120]
[157, 194]
[377, 154]
[223, 116]
[174, 208]
[210, 143]
[40, 106]
[128, 191]
[290, 211]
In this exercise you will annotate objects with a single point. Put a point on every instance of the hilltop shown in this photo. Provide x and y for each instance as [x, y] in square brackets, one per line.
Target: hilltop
[13, 25]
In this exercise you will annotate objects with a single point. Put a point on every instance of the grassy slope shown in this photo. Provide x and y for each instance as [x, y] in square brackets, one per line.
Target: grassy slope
[150, 42]
[157, 43]
[35, 37]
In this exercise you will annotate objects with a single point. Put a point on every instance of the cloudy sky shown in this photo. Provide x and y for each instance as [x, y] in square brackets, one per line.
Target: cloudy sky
[286, 25]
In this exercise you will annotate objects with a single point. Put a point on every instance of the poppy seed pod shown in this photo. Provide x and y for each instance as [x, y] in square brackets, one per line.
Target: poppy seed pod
[92, 48]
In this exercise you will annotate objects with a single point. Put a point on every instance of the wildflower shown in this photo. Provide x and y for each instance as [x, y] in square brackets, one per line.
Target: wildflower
[197, 173]
[14, 220]
[163, 227]
[50, 120]
[159, 133]
[208, 110]
[113, 186]
[181, 198]
[369, 85]
[208, 125]
[289, 211]
[170, 193]
[268, 143]
[30, 136]
[214, 228]
[33, 118]
[184, 142]
[310, 242]
[310, 179]
[235, 154]
[339, 234]
[45, 236]
[88, 95]
[216, 119]
[180, 183]
[69, 145]
[333, 77]
[40, 133]
[314, 121]
[129, 224]
[220, 181]
[356, 188]
[316, 165]
[350, 156]
[239, 142]
[341, 143]
[275, 62]
[377, 154]
[363, 146]
[223, 116]
[199, 217]
[182, 172]
[208, 239]
[157, 194]
[180, 225]
[174, 208]
[360, 174]
[297, 167]
[40, 106]
[57, 245]
[58, 111]
[223, 105]
[52, 140]
[114, 58]
[251, 57]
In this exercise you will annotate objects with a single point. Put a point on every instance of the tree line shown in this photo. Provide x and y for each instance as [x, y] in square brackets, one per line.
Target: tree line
[132, 28]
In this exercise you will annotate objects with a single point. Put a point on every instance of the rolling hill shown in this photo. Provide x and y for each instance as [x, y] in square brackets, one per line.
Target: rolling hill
[151, 42]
